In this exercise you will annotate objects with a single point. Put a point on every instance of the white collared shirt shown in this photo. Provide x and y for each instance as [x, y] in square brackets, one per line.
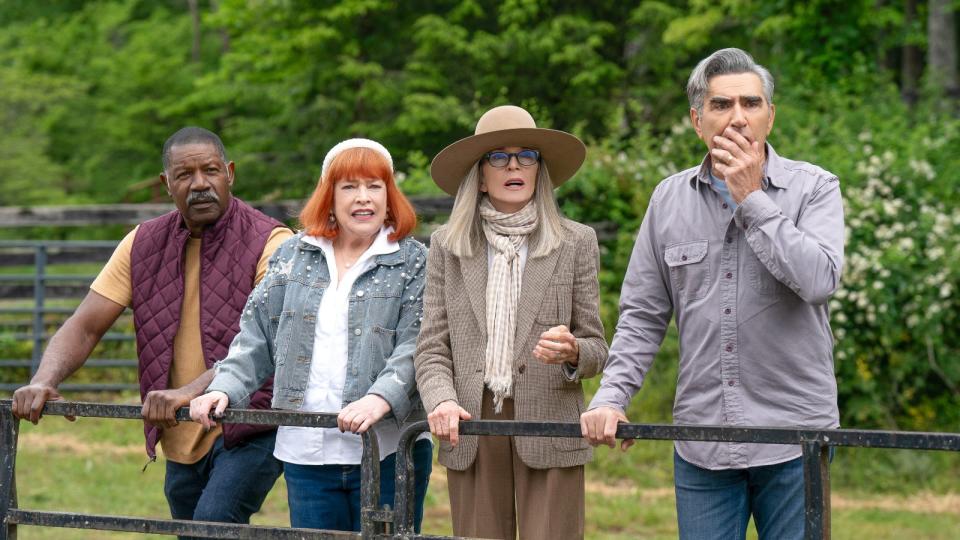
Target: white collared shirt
[328, 370]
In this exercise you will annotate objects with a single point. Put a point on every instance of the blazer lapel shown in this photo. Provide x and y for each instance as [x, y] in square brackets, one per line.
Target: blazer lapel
[474, 271]
[536, 279]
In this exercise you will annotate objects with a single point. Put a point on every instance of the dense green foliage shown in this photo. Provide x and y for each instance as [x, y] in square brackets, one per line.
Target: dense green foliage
[90, 89]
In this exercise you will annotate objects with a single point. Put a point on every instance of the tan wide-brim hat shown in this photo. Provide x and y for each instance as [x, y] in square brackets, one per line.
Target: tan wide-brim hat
[561, 152]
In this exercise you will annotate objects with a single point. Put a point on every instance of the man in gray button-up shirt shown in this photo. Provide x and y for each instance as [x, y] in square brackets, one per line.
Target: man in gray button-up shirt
[746, 249]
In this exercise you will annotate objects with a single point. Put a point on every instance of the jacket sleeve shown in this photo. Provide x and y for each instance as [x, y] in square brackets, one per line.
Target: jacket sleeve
[585, 323]
[434, 360]
[645, 311]
[806, 256]
[249, 360]
[396, 382]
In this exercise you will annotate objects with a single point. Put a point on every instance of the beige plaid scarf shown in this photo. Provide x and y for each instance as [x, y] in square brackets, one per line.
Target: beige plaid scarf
[505, 233]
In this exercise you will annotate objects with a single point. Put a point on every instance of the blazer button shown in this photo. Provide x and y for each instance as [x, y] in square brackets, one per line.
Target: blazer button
[522, 368]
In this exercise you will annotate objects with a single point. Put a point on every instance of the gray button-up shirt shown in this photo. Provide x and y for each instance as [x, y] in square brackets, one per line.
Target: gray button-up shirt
[750, 290]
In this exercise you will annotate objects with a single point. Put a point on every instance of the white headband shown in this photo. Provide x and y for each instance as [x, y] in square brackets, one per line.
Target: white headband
[354, 143]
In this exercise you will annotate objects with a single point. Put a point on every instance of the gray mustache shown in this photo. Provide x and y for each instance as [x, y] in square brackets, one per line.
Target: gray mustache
[196, 197]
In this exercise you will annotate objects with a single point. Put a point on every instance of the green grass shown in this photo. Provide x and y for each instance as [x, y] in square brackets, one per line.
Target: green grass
[96, 466]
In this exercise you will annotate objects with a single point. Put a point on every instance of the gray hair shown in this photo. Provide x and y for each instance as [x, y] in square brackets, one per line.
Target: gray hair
[725, 62]
[192, 135]
[463, 227]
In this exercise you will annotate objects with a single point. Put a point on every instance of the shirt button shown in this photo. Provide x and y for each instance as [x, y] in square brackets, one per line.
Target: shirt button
[731, 382]
[729, 275]
[359, 293]
[729, 347]
[726, 311]
[356, 332]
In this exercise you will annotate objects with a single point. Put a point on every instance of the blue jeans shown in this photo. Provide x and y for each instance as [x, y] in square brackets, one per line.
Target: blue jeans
[718, 504]
[328, 496]
[225, 485]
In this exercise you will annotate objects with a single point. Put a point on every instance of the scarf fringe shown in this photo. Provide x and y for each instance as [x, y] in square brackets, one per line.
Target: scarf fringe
[502, 389]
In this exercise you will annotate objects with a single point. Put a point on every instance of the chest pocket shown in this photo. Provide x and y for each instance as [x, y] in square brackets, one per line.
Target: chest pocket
[689, 268]
[557, 299]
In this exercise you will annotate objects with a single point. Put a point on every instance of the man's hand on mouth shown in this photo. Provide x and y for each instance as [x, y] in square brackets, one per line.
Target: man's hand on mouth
[739, 160]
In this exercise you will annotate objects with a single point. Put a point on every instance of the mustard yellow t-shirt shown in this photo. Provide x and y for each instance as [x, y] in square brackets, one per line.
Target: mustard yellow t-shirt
[187, 442]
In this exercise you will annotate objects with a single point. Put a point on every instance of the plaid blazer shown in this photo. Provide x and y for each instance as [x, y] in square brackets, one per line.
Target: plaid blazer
[559, 288]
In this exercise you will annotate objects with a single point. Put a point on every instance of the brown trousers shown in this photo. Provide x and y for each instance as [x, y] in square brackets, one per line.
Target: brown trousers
[498, 494]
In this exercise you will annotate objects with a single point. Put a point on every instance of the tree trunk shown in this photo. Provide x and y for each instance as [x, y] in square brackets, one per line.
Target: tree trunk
[634, 73]
[224, 35]
[942, 49]
[909, 57]
[195, 17]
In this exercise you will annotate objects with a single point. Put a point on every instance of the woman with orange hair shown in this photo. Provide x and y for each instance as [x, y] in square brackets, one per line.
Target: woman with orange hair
[335, 322]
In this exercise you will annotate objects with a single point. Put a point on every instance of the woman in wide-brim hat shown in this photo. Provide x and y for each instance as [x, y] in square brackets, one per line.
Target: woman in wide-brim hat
[510, 328]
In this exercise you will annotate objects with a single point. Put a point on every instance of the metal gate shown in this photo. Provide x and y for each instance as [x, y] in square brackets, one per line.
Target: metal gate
[397, 522]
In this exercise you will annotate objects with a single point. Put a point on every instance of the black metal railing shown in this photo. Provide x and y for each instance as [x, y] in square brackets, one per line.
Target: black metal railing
[398, 523]
[815, 443]
[375, 521]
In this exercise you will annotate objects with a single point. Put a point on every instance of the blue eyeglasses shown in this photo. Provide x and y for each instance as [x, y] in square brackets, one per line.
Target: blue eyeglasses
[500, 159]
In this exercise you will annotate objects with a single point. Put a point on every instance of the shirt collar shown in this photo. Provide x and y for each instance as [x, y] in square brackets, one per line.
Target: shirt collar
[773, 170]
[382, 245]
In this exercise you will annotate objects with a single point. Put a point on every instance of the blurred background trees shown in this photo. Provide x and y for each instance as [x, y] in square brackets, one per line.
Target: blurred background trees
[96, 86]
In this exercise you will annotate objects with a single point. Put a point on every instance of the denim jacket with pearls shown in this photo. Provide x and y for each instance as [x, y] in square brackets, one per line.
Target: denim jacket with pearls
[278, 324]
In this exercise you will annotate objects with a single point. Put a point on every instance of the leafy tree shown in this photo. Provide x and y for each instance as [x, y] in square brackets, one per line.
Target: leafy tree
[29, 174]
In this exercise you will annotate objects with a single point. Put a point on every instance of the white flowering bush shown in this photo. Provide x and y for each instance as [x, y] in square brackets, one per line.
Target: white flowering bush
[895, 317]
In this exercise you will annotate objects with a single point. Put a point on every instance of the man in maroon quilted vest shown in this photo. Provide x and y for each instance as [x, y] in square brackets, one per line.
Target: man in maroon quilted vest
[186, 275]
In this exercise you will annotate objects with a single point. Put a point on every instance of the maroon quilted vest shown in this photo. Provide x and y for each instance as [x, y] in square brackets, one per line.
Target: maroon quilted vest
[229, 253]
